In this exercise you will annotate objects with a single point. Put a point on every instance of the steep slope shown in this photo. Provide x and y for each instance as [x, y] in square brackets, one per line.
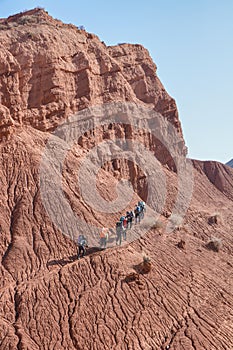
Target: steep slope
[48, 298]
[230, 163]
[219, 174]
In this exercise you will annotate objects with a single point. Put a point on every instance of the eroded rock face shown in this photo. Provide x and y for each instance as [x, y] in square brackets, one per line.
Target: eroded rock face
[49, 299]
[50, 70]
[219, 174]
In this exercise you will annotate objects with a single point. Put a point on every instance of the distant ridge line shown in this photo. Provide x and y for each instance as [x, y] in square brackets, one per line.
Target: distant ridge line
[230, 163]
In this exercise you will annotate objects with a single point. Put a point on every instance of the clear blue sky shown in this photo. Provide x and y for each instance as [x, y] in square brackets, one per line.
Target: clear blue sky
[190, 41]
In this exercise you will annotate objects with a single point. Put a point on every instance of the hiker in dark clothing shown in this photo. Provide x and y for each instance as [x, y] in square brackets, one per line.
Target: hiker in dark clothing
[137, 213]
[82, 245]
[119, 232]
[130, 216]
[142, 206]
[124, 231]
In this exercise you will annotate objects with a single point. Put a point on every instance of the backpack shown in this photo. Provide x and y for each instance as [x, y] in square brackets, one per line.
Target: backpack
[141, 204]
[104, 233]
[138, 209]
[82, 240]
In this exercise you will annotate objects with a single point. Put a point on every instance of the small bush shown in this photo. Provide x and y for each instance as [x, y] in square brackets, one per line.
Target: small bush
[176, 220]
[27, 20]
[181, 244]
[146, 259]
[158, 225]
[31, 35]
[215, 219]
[146, 265]
[166, 213]
[214, 244]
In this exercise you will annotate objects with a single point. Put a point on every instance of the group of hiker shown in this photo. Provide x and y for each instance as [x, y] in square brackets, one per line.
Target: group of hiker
[122, 226]
[126, 221]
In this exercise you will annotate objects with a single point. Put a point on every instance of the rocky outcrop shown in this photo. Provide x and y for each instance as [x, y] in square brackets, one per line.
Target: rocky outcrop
[48, 298]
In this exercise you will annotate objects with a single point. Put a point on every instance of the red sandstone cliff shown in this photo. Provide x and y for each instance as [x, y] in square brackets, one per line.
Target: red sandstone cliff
[50, 70]
[48, 299]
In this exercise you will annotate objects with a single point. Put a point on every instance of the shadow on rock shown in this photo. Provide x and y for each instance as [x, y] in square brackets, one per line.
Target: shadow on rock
[93, 250]
[134, 279]
[61, 262]
[65, 261]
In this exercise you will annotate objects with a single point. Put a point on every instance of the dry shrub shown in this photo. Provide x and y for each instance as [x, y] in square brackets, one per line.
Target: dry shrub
[176, 220]
[146, 259]
[214, 244]
[32, 35]
[158, 225]
[215, 219]
[181, 244]
[166, 213]
[146, 265]
[27, 20]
